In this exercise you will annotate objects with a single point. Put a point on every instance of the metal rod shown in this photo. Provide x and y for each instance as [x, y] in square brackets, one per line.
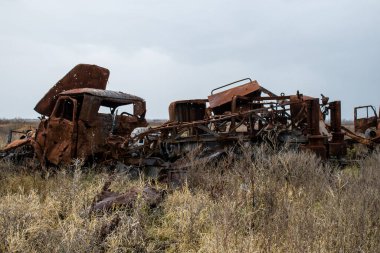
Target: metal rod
[230, 84]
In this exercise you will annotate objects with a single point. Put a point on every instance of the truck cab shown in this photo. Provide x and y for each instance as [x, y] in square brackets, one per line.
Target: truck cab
[83, 119]
[366, 120]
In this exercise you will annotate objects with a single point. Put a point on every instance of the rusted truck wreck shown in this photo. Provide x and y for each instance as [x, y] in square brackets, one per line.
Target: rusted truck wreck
[74, 124]
[367, 122]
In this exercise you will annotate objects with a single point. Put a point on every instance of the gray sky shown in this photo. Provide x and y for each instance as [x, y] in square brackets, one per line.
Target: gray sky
[170, 50]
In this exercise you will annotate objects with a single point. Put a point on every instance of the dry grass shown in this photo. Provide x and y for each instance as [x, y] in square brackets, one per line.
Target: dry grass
[265, 201]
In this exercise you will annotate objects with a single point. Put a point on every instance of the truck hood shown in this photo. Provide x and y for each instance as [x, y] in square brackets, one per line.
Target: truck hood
[81, 76]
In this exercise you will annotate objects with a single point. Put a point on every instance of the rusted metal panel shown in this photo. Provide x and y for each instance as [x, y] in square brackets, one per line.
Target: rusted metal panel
[187, 110]
[139, 108]
[15, 144]
[107, 95]
[226, 96]
[59, 148]
[89, 109]
[81, 76]
[61, 133]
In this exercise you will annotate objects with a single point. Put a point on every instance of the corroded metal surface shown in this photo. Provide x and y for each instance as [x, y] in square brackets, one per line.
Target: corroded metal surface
[187, 110]
[81, 76]
[246, 114]
[15, 144]
[76, 128]
[111, 96]
[221, 98]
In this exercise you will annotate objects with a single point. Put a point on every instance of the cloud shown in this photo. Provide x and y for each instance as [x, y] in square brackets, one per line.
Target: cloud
[168, 50]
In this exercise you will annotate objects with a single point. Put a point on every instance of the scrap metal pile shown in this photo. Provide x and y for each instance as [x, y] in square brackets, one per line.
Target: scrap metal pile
[81, 119]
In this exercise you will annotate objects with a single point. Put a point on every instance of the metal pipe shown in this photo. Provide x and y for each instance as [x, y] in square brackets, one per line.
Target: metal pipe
[313, 116]
[230, 84]
[336, 122]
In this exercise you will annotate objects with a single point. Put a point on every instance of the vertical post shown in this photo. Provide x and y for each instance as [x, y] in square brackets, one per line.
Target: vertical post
[316, 140]
[337, 146]
[313, 116]
[336, 120]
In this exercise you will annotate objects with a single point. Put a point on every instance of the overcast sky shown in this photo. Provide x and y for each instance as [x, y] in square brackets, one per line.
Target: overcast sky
[171, 50]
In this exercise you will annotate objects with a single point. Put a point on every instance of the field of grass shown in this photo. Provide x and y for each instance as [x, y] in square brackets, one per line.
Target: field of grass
[263, 201]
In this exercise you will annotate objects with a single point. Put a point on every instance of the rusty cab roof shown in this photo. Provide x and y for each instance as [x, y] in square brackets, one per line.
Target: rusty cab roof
[108, 97]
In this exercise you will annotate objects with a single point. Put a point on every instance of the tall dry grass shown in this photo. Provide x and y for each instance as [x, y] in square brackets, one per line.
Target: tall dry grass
[264, 201]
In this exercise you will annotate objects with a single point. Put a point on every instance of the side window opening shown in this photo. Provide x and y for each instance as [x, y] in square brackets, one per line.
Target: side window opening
[126, 110]
[65, 109]
[105, 110]
[365, 113]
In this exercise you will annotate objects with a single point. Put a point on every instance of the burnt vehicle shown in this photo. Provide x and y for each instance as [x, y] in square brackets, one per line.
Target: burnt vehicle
[78, 129]
[78, 116]
[81, 119]
[366, 121]
[247, 114]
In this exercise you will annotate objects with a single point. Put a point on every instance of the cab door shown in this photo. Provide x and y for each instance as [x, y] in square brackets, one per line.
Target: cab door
[61, 133]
